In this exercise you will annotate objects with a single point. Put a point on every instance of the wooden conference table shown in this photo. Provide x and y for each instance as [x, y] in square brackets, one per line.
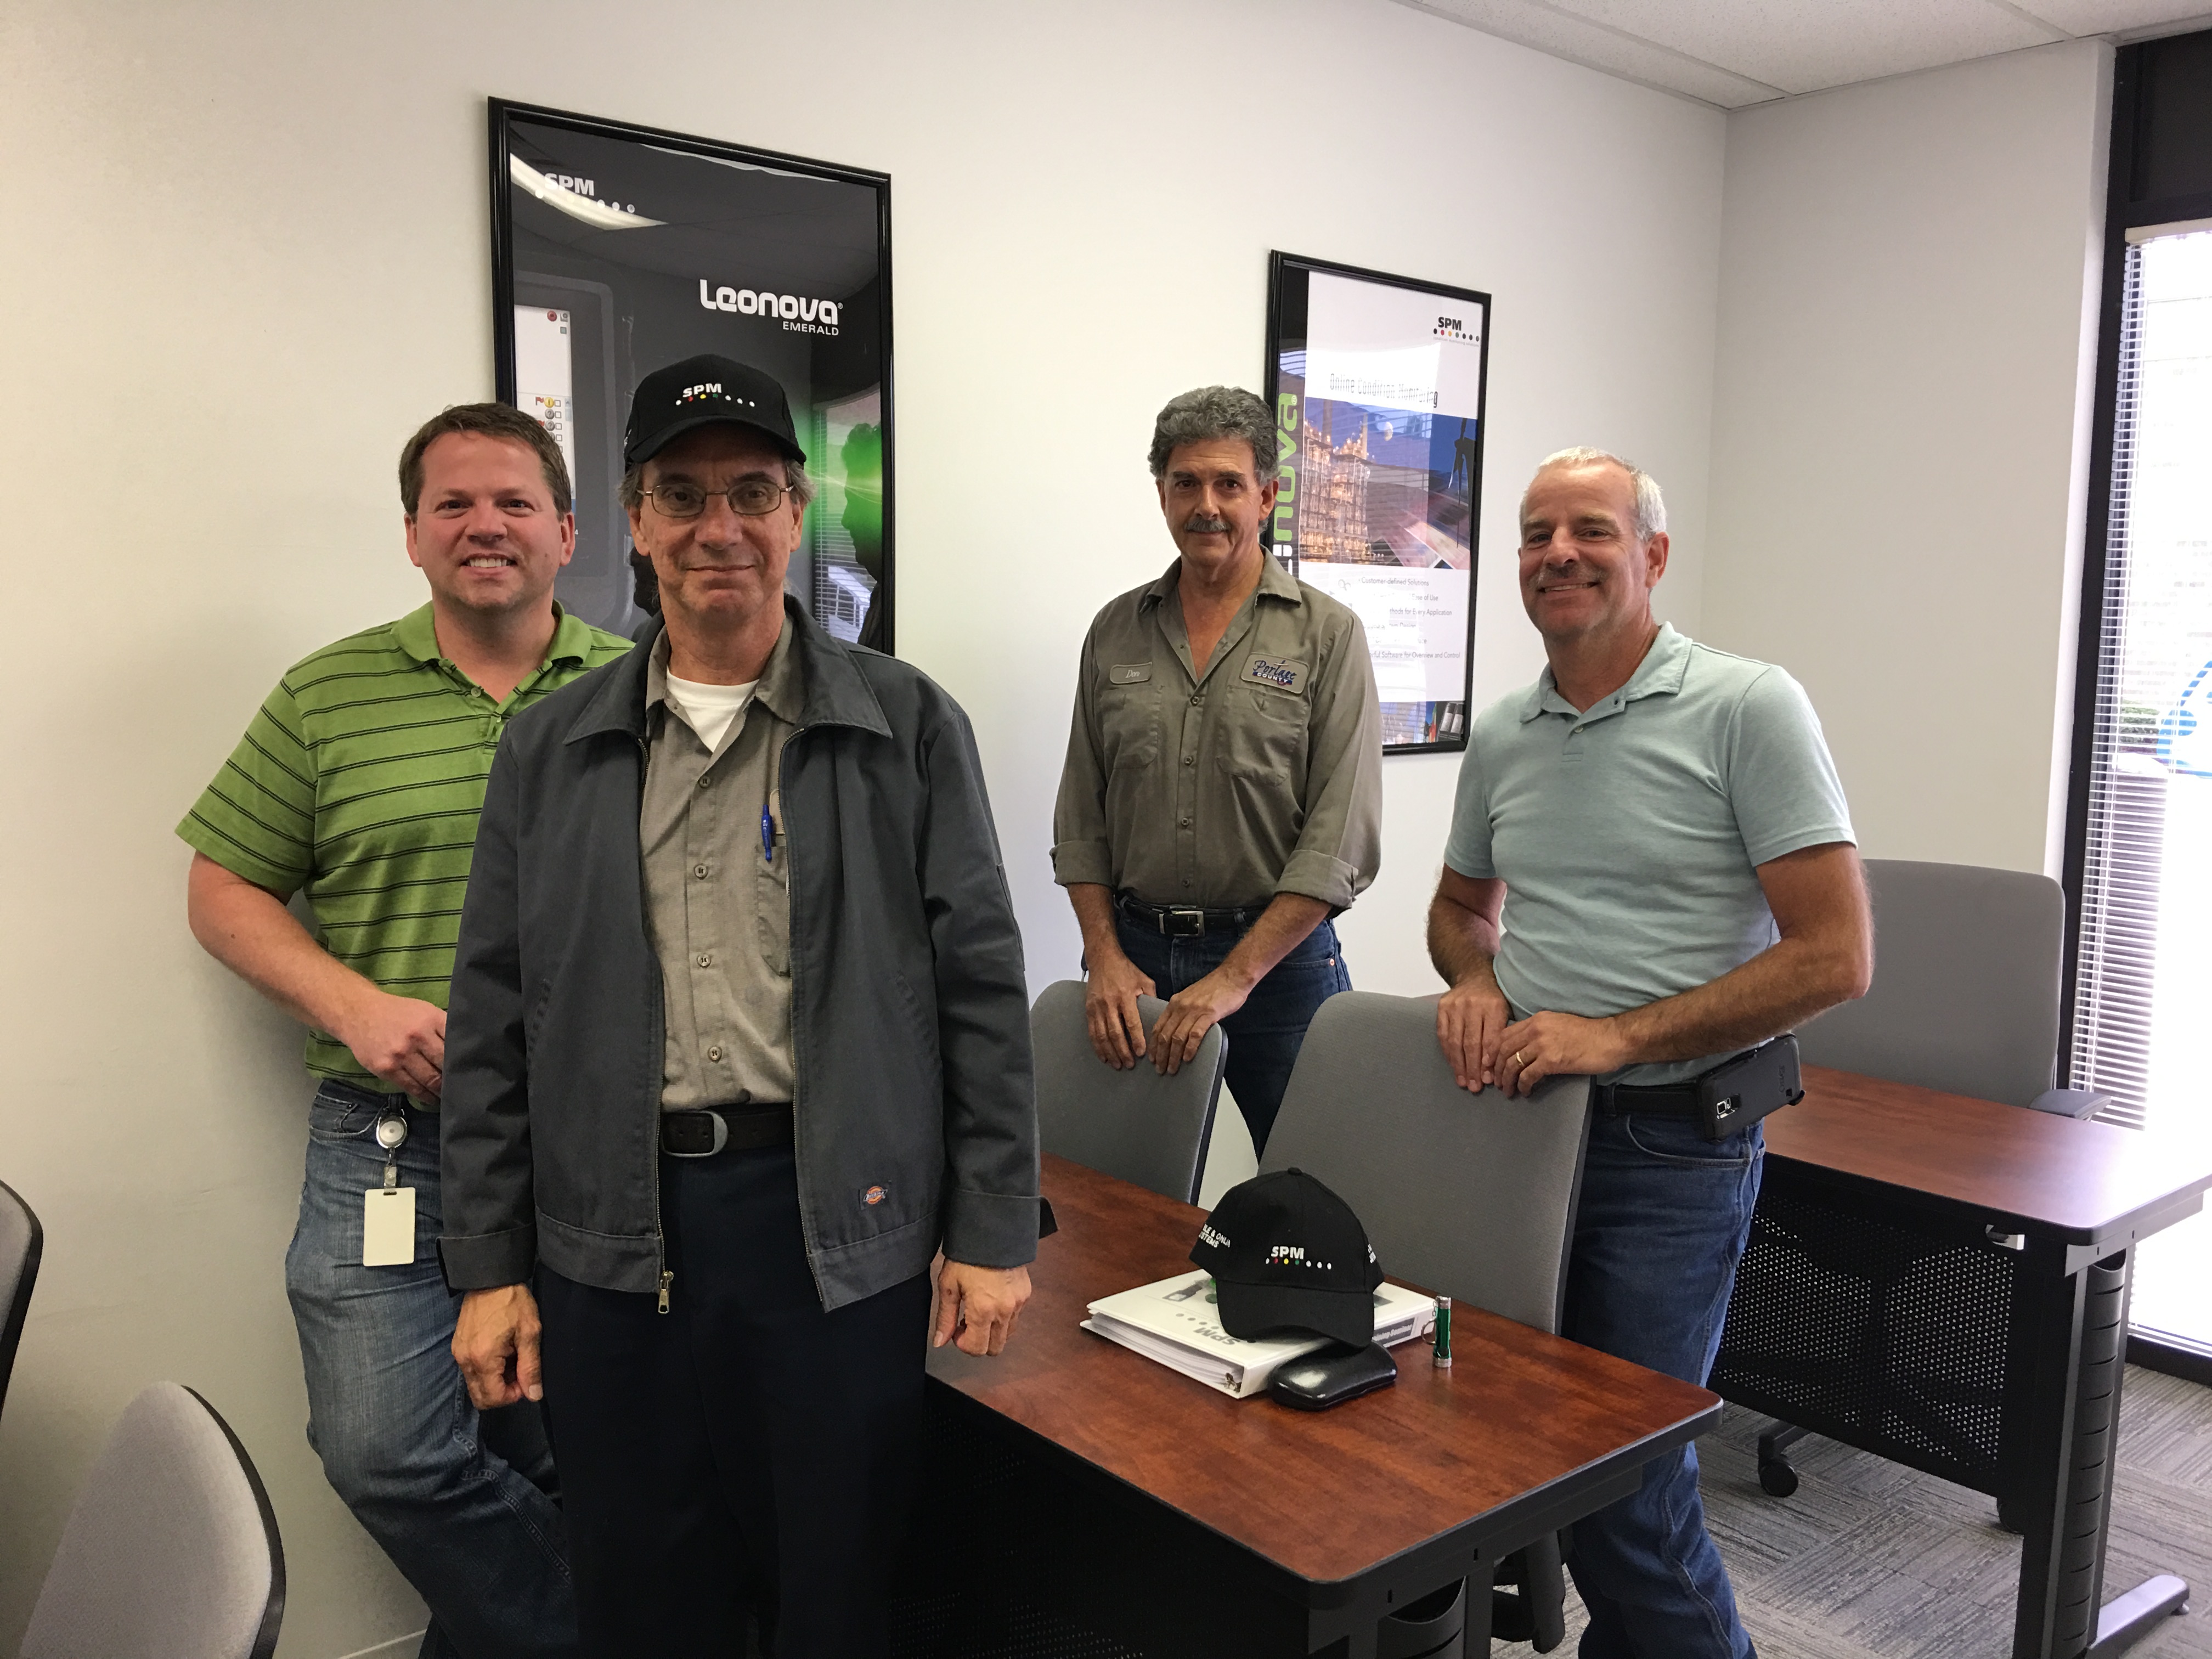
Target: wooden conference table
[1088, 1501]
[1944, 1281]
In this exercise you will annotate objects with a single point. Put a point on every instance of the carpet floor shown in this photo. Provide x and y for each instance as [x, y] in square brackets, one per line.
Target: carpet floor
[1872, 1560]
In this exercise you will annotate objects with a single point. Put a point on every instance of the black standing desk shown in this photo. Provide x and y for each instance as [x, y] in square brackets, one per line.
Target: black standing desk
[1087, 1501]
[1944, 1281]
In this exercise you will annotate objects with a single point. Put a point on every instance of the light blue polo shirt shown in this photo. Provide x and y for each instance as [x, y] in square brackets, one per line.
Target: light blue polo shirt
[1628, 836]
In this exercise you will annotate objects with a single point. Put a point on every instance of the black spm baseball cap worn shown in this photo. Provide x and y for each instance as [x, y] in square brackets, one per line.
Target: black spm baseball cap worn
[705, 390]
[1286, 1252]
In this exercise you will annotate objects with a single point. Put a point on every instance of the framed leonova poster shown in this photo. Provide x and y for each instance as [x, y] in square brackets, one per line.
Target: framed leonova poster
[1377, 382]
[617, 250]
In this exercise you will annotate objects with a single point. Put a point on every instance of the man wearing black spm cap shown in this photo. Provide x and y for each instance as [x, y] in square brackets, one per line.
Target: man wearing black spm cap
[739, 1037]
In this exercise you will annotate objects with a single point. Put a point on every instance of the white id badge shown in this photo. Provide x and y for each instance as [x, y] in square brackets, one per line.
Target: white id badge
[387, 1227]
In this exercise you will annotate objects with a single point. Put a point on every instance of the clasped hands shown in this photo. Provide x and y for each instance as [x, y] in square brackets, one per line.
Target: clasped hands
[1485, 1045]
[1117, 1030]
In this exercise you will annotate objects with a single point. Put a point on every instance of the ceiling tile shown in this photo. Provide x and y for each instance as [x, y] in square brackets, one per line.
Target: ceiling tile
[1804, 45]
[2113, 16]
[1596, 46]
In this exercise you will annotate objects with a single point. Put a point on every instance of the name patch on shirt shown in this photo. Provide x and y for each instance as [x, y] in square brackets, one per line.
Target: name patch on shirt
[1129, 673]
[1278, 672]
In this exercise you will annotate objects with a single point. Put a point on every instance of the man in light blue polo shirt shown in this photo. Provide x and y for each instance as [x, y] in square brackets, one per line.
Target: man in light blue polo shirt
[1651, 870]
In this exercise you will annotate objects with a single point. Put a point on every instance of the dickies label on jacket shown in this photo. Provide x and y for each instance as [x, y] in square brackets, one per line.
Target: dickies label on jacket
[872, 1196]
[1276, 673]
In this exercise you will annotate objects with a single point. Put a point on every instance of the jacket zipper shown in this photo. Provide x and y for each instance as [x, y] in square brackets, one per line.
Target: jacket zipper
[659, 1024]
[806, 1219]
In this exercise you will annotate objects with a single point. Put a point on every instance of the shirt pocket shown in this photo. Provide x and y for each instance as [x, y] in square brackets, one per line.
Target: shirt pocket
[772, 895]
[1129, 740]
[1265, 736]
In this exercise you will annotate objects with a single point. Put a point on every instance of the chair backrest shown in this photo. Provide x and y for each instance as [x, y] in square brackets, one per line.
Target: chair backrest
[1145, 1129]
[1965, 996]
[1472, 1195]
[22, 1240]
[171, 1549]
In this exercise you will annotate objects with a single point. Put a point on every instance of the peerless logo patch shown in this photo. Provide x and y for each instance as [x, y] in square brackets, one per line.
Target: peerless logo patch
[1277, 672]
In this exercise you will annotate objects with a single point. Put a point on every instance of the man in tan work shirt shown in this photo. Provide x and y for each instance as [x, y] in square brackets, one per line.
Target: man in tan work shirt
[1222, 798]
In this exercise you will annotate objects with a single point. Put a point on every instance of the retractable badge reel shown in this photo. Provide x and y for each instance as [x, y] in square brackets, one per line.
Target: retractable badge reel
[387, 1229]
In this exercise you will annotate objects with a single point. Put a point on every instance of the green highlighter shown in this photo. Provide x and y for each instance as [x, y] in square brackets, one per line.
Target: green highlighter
[1443, 1333]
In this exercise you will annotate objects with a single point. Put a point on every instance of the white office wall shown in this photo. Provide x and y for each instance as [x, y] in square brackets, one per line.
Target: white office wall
[1908, 296]
[246, 254]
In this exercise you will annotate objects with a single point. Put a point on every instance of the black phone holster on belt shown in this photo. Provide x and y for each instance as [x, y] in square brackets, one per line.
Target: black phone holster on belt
[1735, 1095]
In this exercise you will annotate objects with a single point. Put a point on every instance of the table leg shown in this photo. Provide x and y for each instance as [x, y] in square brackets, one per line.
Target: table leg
[2083, 1318]
[2126, 1619]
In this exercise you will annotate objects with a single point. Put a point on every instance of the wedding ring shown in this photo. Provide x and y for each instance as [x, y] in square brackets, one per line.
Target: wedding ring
[1516, 1057]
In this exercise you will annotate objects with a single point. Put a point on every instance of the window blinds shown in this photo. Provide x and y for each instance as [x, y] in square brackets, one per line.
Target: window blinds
[2146, 910]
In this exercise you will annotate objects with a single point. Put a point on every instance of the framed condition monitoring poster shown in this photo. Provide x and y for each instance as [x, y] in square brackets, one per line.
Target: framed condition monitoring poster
[617, 250]
[1378, 382]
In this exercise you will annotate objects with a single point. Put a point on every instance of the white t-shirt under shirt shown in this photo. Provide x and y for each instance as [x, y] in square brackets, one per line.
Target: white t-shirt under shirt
[709, 710]
[1629, 834]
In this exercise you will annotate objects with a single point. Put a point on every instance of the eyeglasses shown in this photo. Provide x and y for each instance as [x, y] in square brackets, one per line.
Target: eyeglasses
[748, 498]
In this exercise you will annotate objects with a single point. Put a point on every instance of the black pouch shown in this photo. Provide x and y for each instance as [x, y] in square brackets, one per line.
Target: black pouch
[1737, 1093]
[1331, 1376]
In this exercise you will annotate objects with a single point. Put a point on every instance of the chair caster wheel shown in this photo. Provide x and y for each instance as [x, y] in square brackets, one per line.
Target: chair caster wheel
[1777, 1479]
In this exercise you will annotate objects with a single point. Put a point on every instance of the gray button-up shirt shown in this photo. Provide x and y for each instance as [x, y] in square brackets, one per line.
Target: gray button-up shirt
[717, 905]
[1220, 785]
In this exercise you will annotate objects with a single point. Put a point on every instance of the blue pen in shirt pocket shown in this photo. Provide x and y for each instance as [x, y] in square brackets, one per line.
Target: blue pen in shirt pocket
[768, 834]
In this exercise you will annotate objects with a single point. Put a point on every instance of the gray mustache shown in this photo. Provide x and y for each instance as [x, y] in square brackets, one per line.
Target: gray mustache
[1206, 523]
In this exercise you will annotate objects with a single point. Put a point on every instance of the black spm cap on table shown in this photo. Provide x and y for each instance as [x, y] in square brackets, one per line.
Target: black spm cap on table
[1285, 1252]
[705, 390]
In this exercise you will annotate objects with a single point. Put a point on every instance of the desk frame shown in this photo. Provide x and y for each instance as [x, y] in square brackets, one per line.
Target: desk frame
[2063, 1363]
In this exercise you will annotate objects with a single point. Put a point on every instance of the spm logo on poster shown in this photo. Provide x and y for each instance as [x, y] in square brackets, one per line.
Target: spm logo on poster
[799, 316]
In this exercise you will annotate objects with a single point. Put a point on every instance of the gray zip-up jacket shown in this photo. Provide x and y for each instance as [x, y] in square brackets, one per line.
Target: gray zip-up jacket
[910, 1008]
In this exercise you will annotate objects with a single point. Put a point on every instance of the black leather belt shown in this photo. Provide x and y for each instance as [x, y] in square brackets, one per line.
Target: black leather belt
[706, 1130]
[1182, 921]
[1645, 1100]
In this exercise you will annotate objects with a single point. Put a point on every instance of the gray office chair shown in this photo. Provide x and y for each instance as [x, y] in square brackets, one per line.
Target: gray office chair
[1472, 1195]
[1966, 987]
[1145, 1129]
[22, 1240]
[1964, 1000]
[170, 1550]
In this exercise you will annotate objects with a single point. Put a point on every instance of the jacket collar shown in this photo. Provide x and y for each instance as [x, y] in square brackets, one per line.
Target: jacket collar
[1275, 583]
[831, 689]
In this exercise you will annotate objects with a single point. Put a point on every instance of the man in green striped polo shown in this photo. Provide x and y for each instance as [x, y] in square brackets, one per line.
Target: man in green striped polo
[359, 783]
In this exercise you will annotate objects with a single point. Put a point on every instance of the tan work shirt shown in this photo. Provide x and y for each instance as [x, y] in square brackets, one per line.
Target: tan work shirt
[717, 906]
[1221, 785]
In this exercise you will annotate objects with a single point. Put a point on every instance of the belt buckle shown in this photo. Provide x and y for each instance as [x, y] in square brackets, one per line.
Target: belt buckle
[1183, 923]
[721, 1136]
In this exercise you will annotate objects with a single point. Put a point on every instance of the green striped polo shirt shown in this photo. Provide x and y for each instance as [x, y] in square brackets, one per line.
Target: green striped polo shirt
[361, 781]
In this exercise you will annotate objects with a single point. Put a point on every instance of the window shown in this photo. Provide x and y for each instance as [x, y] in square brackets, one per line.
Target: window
[2140, 852]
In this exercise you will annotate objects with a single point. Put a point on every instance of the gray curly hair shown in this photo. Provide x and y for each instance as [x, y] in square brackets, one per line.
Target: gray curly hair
[1217, 412]
[1650, 505]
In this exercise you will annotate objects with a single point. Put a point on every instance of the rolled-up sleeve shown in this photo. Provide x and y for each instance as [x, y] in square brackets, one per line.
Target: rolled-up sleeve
[1080, 852]
[1339, 846]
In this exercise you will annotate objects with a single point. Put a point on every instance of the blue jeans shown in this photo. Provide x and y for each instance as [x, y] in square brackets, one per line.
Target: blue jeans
[1266, 1033]
[1662, 1223]
[458, 1499]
